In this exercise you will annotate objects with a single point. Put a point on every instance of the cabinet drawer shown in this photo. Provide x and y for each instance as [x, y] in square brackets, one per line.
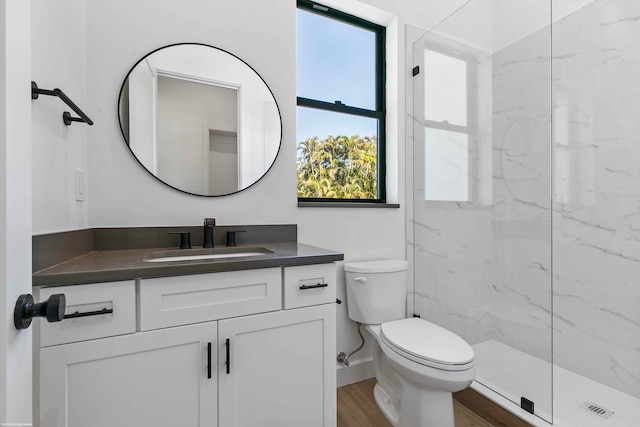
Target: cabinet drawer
[305, 285]
[87, 299]
[172, 301]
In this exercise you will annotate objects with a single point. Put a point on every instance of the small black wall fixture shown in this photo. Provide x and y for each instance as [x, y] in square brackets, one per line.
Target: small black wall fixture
[67, 118]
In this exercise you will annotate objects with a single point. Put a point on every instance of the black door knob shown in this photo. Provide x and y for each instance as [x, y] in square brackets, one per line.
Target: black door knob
[52, 309]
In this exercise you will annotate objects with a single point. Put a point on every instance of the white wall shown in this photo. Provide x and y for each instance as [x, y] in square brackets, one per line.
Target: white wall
[58, 60]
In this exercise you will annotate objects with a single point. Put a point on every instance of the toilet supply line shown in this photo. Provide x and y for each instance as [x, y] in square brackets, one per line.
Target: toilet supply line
[344, 359]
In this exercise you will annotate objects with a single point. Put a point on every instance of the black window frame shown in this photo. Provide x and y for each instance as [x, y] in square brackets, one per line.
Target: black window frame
[380, 103]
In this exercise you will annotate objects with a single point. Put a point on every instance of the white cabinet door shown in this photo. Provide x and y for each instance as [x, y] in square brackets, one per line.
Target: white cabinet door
[280, 369]
[157, 378]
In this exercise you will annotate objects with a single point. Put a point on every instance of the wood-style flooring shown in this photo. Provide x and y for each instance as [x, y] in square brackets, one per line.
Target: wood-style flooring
[357, 408]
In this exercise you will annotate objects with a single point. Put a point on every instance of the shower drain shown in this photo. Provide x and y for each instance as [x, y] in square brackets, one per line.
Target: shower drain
[597, 409]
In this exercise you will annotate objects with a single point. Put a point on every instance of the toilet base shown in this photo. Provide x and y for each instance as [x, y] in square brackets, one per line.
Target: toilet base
[418, 408]
[421, 407]
[387, 406]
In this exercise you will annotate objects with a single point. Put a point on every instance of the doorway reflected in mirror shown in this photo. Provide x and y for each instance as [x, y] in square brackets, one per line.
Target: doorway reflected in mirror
[199, 119]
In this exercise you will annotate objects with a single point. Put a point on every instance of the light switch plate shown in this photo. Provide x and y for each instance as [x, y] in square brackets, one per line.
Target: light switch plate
[79, 185]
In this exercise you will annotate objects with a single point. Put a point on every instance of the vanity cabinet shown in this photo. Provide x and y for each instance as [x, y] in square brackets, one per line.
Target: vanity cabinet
[207, 368]
[156, 378]
[278, 369]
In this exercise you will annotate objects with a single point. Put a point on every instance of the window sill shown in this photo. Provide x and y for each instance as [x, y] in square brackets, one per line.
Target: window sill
[341, 204]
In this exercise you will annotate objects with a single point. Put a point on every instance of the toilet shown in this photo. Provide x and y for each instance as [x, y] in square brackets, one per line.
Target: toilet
[418, 364]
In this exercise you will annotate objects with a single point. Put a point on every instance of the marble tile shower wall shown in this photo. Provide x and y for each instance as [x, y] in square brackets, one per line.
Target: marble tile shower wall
[521, 214]
[596, 71]
[482, 269]
[452, 241]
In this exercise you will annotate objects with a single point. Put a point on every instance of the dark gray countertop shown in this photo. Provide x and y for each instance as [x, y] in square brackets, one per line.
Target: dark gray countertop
[126, 264]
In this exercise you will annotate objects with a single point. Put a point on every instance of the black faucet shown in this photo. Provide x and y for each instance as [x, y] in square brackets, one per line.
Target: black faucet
[209, 223]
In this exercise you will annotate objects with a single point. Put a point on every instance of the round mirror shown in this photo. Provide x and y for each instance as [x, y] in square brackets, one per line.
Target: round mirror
[199, 119]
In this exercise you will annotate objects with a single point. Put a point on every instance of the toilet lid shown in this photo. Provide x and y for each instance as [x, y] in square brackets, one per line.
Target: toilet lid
[427, 341]
[380, 266]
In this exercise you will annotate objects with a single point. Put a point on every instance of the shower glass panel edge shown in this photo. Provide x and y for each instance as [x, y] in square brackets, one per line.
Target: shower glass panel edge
[481, 192]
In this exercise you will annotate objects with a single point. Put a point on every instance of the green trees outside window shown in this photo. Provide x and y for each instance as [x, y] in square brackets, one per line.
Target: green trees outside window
[338, 167]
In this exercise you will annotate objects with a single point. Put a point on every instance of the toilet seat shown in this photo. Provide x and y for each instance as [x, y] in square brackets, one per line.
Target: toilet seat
[427, 344]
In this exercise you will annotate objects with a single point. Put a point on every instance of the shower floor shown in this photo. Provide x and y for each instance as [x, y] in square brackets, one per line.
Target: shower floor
[504, 374]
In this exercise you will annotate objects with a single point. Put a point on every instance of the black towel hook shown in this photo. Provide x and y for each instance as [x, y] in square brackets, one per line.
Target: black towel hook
[67, 118]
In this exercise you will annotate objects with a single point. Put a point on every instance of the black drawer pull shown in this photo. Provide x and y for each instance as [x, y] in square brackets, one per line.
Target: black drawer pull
[228, 361]
[209, 360]
[319, 285]
[76, 314]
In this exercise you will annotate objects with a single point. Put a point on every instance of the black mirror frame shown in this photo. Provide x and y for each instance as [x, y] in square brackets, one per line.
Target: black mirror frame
[153, 175]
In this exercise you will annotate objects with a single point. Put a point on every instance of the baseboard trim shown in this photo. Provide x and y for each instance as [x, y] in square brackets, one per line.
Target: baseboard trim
[358, 370]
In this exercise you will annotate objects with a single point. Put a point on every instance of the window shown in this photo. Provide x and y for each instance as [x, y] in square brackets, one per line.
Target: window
[447, 130]
[341, 106]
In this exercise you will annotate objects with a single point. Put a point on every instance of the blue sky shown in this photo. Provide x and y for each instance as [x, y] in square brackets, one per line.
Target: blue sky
[335, 61]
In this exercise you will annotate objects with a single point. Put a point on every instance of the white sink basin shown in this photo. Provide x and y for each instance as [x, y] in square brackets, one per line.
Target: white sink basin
[206, 254]
[197, 257]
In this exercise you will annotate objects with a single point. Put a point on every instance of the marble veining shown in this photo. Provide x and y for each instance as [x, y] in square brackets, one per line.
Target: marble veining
[558, 165]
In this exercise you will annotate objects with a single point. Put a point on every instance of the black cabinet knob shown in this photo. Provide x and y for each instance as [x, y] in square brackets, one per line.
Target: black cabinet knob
[52, 309]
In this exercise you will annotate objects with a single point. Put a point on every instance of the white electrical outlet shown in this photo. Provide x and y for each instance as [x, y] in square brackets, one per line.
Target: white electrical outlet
[79, 185]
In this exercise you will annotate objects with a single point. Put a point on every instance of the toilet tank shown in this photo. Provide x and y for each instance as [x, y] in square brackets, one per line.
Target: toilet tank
[376, 290]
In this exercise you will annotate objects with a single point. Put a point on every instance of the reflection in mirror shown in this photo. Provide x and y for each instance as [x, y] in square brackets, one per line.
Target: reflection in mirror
[200, 119]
